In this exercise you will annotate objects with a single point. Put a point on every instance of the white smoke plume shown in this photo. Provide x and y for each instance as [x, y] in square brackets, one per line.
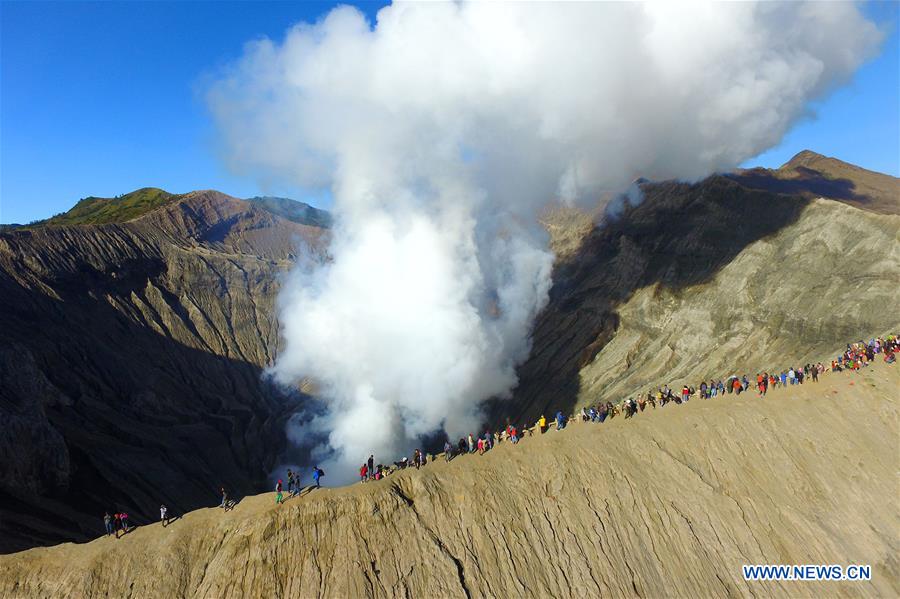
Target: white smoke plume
[442, 129]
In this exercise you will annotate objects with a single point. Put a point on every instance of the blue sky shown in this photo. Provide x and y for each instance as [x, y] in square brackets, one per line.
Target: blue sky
[100, 98]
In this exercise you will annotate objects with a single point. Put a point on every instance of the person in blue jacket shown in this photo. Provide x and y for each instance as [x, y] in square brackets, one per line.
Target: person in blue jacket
[560, 421]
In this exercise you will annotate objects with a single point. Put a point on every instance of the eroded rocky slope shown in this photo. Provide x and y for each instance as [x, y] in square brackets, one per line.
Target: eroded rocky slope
[130, 362]
[668, 504]
[131, 352]
[702, 277]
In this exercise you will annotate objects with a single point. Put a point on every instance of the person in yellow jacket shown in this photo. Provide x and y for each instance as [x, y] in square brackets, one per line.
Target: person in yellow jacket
[542, 424]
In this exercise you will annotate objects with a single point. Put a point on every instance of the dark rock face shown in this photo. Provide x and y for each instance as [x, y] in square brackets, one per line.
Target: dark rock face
[131, 354]
[813, 175]
[34, 454]
[667, 504]
[131, 358]
[703, 277]
[678, 237]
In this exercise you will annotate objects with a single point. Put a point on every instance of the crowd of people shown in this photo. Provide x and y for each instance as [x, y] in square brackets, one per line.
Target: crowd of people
[854, 358]
[762, 382]
[294, 486]
[116, 524]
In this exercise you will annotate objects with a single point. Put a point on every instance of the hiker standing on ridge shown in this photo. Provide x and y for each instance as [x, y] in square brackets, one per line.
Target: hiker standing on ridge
[290, 476]
[279, 495]
[224, 497]
[371, 465]
[560, 421]
[164, 515]
[108, 523]
[317, 474]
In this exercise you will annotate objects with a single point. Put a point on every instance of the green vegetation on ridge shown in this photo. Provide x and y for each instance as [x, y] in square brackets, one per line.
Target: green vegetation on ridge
[95, 211]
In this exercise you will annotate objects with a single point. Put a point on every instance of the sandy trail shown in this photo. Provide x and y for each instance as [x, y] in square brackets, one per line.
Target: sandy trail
[669, 503]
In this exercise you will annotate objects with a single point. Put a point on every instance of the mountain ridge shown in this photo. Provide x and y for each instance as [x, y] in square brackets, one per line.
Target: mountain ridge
[140, 345]
[732, 275]
[143, 343]
[146, 200]
[669, 503]
[814, 175]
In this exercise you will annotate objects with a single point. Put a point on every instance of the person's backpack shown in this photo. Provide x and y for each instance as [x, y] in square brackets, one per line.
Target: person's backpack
[321, 473]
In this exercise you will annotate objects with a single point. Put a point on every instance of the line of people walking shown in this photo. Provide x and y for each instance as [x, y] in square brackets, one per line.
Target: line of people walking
[854, 358]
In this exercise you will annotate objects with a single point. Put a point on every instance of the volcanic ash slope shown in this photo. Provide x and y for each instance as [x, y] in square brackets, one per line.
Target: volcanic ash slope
[671, 503]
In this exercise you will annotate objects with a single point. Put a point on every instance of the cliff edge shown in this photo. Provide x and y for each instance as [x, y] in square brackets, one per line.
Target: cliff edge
[670, 503]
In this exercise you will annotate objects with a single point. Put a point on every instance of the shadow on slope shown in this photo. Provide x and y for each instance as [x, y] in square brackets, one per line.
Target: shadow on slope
[681, 235]
[102, 412]
[813, 175]
[810, 183]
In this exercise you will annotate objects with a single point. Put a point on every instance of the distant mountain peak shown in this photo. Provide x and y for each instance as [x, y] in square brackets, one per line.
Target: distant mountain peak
[804, 158]
[294, 210]
[96, 211]
[814, 175]
[93, 210]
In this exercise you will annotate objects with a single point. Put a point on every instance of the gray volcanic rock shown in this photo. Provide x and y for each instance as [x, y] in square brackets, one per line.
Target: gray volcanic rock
[131, 353]
[34, 453]
[295, 211]
[701, 278]
[131, 362]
